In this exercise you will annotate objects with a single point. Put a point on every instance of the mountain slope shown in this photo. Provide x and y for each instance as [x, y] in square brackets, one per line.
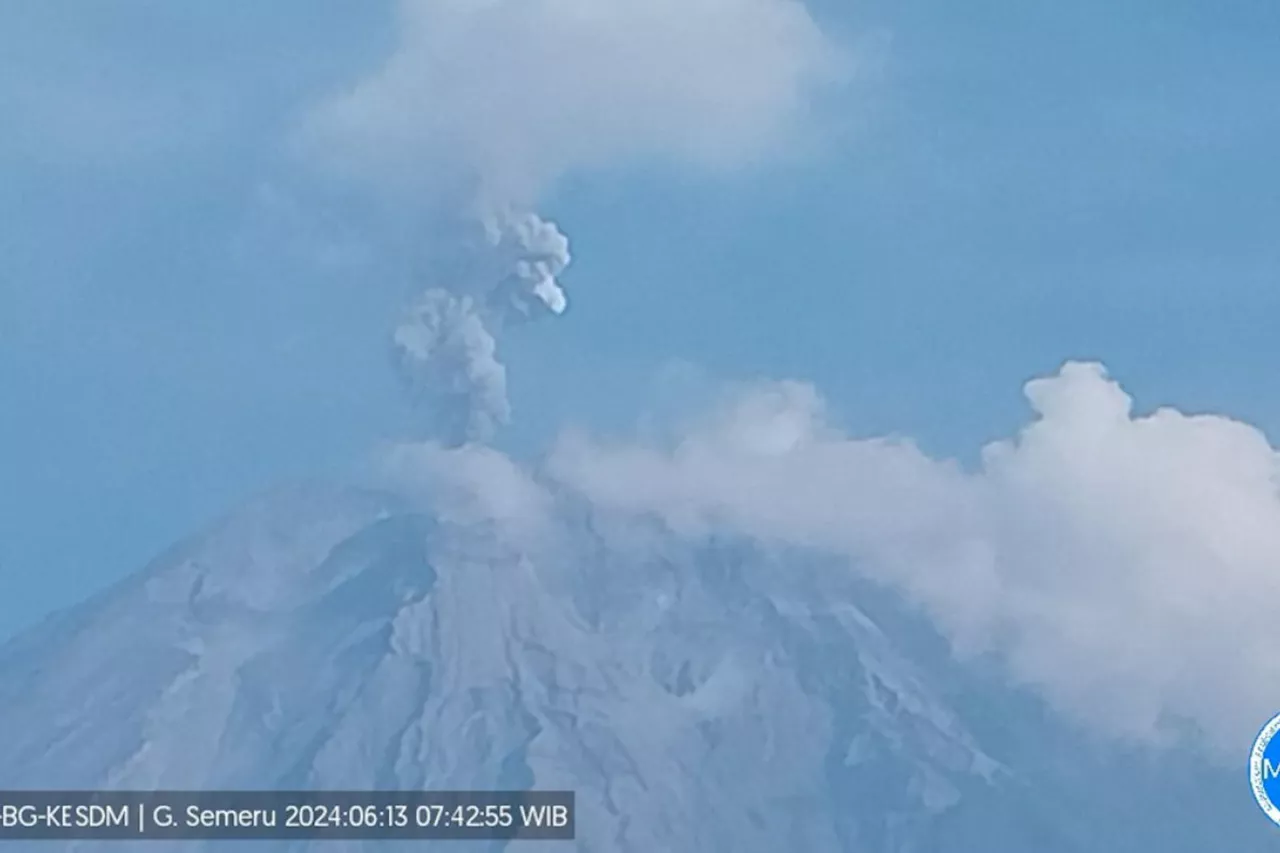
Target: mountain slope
[699, 697]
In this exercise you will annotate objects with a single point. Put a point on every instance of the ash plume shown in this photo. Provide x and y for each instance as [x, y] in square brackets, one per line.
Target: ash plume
[445, 347]
[512, 95]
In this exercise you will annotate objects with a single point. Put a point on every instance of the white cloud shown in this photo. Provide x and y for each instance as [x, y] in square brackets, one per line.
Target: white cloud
[515, 92]
[1125, 566]
[467, 484]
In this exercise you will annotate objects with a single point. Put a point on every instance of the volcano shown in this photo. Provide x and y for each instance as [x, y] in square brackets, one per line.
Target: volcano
[697, 696]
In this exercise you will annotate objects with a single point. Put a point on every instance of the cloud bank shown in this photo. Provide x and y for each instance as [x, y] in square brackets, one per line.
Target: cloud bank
[1123, 565]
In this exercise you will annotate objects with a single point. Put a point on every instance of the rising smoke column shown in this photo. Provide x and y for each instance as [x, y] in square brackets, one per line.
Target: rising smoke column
[445, 347]
[512, 95]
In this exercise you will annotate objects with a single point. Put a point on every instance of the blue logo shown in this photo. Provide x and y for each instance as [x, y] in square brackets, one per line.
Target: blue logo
[1264, 769]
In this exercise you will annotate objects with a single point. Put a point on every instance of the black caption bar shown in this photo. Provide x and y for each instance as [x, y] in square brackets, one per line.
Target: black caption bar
[267, 815]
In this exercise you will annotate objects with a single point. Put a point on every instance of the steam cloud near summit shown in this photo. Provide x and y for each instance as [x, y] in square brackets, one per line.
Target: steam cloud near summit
[1125, 566]
[506, 96]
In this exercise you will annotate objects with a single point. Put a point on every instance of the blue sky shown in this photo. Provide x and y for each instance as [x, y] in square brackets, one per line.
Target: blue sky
[1008, 186]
